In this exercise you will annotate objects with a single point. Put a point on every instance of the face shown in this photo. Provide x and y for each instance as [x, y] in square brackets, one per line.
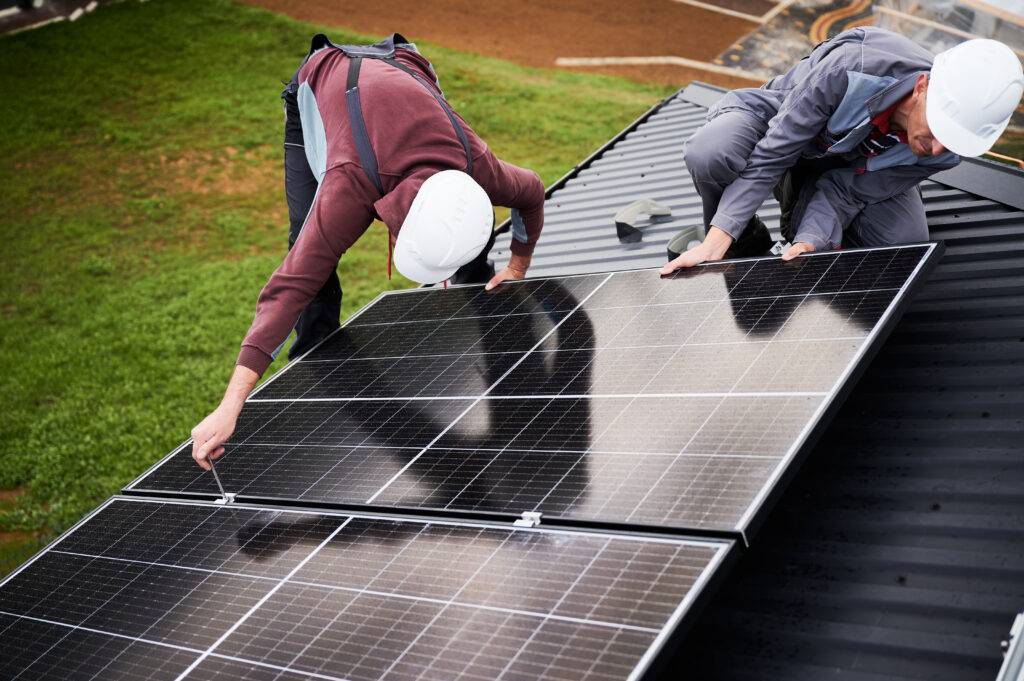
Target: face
[919, 135]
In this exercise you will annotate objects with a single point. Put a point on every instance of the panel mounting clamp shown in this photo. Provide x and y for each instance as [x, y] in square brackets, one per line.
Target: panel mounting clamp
[225, 497]
[528, 519]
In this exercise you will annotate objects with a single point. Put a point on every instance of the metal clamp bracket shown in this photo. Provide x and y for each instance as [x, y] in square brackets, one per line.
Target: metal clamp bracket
[225, 497]
[528, 519]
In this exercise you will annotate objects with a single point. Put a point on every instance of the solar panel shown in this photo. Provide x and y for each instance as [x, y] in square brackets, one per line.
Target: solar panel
[144, 589]
[622, 398]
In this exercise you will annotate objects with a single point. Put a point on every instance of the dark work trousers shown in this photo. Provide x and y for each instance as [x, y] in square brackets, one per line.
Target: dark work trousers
[322, 315]
[717, 153]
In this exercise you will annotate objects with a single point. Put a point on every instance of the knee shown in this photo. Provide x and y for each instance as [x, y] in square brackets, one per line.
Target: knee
[706, 160]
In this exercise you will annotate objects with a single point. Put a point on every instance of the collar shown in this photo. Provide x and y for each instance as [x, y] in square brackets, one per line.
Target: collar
[886, 98]
[883, 121]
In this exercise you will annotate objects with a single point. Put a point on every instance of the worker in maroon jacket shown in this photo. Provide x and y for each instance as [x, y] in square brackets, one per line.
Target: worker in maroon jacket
[368, 134]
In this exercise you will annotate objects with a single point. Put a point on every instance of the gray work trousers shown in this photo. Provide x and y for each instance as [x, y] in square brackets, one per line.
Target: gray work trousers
[717, 153]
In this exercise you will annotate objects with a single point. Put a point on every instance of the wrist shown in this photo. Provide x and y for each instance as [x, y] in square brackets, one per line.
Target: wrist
[718, 242]
[518, 264]
[230, 406]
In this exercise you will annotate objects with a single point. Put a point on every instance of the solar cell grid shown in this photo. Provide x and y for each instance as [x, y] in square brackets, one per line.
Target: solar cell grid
[534, 296]
[42, 651]
[664, 401]
[391, 423]
[445, 375]
[202, 589]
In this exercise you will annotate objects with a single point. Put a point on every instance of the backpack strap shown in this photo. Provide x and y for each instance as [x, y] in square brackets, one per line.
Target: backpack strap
[367, 158]
[385, 51]
[459, 131]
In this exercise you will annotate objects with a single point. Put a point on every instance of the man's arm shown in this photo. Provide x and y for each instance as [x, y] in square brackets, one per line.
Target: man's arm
[337, 218]
[802, 116]
[523, 191]
[842, 193]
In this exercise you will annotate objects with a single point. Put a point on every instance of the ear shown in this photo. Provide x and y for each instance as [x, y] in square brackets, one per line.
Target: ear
[921, 85]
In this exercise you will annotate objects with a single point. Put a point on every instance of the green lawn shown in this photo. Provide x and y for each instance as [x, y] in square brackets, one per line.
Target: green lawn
[142, 210]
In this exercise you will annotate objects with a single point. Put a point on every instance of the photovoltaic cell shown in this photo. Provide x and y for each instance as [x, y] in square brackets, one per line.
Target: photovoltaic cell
[155, 590]
[623, 398]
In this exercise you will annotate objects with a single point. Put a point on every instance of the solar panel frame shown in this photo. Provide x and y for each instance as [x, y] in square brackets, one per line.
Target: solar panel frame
[721, 553]
[848, 283]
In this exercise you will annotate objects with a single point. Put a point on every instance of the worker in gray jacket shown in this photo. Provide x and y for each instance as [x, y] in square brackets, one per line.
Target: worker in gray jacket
[842, 139]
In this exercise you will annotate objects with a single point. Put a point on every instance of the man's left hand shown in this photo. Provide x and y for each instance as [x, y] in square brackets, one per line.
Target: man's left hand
[796, 249]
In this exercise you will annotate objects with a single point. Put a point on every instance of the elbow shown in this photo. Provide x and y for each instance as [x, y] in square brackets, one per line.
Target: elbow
[534, 193]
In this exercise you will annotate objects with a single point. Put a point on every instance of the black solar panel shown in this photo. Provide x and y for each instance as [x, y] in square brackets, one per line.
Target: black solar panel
[152, 590]
[622, 398]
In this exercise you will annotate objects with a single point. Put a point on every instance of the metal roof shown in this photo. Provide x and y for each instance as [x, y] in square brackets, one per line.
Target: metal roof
[898, 550]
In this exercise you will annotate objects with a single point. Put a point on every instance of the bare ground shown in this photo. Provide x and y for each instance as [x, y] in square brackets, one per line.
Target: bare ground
[535, 33]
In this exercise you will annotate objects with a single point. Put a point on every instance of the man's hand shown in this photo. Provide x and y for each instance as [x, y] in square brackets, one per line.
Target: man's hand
[796, 249]
[516, 269]
[211, 433]
[714, 246]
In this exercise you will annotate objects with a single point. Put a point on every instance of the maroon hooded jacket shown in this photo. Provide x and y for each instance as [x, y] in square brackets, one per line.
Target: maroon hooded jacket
[413, 139]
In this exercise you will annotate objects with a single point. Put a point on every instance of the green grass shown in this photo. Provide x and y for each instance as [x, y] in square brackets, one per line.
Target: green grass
[142, 211]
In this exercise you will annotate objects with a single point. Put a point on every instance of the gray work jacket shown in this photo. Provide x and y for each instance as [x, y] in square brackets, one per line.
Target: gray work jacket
[823, 106]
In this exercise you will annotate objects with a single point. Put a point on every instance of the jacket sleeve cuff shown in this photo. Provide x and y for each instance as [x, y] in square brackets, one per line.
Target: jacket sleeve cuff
[253, 358]
[731, 226]
[521, 249]
[816, 241]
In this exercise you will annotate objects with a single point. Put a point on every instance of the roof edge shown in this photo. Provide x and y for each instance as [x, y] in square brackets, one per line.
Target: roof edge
[981, 177]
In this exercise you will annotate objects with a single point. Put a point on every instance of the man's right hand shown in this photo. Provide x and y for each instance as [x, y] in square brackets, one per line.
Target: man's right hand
[714, 246]
[212, 432]
[215, 429]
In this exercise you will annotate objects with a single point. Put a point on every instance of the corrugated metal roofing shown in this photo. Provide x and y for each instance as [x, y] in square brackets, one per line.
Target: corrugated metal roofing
[647, 162]
[898, 551]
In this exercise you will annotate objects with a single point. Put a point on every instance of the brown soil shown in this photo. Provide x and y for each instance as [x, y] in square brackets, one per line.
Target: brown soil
[7, 495]
[224, 172]
[753, 7]
[536, 33]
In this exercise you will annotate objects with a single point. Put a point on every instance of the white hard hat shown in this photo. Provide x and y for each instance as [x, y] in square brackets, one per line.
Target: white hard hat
[972, 92]
[449, 223]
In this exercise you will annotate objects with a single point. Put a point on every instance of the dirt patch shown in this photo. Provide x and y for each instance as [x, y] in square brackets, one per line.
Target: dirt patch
[8, 496]
[224, 172]
[752, 7]
[536, 33]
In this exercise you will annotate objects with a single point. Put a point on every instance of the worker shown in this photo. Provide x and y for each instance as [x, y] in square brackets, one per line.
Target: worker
[842, 139]
[369, 134]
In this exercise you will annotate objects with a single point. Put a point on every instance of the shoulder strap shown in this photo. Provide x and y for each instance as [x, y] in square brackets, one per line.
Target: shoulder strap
[459, 132]
[367, 158]
[384, 51]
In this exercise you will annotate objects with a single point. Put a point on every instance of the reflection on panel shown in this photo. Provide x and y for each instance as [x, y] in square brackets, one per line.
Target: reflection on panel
[391, 423]
[646, 400]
